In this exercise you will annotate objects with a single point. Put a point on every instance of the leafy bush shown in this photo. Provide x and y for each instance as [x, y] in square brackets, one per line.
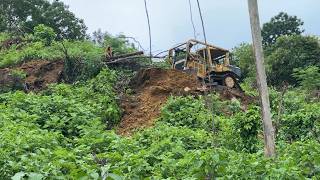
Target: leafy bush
[68, 109]
[302, 124]
[248, 125]
[183, 149]
[35, 50]
[4, 36]
[240, 132]
[309, 78]
[51, 130]
[297, 118]
[157, 152]
[186, 111]
[82, 60]
[243, 57]
[18, 74]
[44, 33]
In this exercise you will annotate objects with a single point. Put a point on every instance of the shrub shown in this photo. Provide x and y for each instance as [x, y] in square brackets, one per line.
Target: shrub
[186, 111]
[44, 34]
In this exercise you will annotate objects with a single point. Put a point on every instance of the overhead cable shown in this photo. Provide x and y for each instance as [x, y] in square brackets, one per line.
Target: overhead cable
[192, 22]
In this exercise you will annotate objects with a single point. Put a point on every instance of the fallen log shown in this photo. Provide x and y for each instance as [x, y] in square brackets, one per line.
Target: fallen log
[125, 55]
[133, 57]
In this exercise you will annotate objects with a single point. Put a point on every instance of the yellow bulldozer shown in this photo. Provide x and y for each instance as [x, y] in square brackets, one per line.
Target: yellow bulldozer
[210, 63]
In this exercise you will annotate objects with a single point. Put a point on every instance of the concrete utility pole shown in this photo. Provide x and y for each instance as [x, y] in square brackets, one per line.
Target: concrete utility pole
[262, 79]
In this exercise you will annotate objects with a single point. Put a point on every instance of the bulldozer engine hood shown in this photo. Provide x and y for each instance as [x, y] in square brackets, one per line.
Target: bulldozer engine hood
[236, 70]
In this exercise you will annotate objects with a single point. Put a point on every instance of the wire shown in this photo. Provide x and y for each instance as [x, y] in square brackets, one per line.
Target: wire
[203, 29]
[135, 40]
[161, 52]
[148, 18]
[192, 22]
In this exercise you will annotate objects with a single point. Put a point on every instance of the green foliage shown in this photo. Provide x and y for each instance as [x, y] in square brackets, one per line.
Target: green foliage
[248, 125]
[281, 25]
[302, 124]
[249, 86]
[119, 44]
[220, 107]
[66, 132]
[18, 78]
[98, 37]
[18, 74]
[161, 64]
[297, 119]
[286, 54]
[44, 33]
[35, 50]
[309, 78]
[289, 53]
[4, 36]
[186, 111]
[161, 152]
[68, 110]
[61, 133]
[43, 133]
[24, 15]
[82, 60]
[243, 57]
[239, 132]
[285, 49]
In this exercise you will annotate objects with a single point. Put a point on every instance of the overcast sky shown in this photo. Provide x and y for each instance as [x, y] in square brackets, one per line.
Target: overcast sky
[226, 21]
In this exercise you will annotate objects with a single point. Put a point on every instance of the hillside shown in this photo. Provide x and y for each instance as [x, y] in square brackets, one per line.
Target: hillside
[67, 114]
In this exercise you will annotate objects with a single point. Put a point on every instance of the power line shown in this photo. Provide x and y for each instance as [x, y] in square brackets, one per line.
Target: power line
[150, 40]
[192, 22]
[203, 29]
[135, 40]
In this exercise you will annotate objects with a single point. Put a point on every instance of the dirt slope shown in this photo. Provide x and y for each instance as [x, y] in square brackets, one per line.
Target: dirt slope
[152, 88]
[39, 73]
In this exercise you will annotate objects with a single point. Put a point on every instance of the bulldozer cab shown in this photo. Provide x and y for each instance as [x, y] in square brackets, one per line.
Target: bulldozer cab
[200, 58]
[210, 63]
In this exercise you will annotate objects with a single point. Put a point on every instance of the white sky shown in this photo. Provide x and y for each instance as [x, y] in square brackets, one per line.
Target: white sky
[226, 21]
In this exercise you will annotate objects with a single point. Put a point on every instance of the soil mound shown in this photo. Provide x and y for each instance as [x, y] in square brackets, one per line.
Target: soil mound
[39, 73]
[152, 87]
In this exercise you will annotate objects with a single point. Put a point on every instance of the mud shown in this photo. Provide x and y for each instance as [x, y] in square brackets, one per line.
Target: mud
[152, 87]
[39, 74]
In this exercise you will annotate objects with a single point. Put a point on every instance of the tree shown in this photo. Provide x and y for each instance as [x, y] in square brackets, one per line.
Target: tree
[21, 16]
[119, 44]
[281, 25]
[98, 37]
[309, 77]
[243, 58]
[288, 53]
[45, 34]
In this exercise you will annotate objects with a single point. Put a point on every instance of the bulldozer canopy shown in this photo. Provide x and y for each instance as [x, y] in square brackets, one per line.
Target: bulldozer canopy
[215, 53]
